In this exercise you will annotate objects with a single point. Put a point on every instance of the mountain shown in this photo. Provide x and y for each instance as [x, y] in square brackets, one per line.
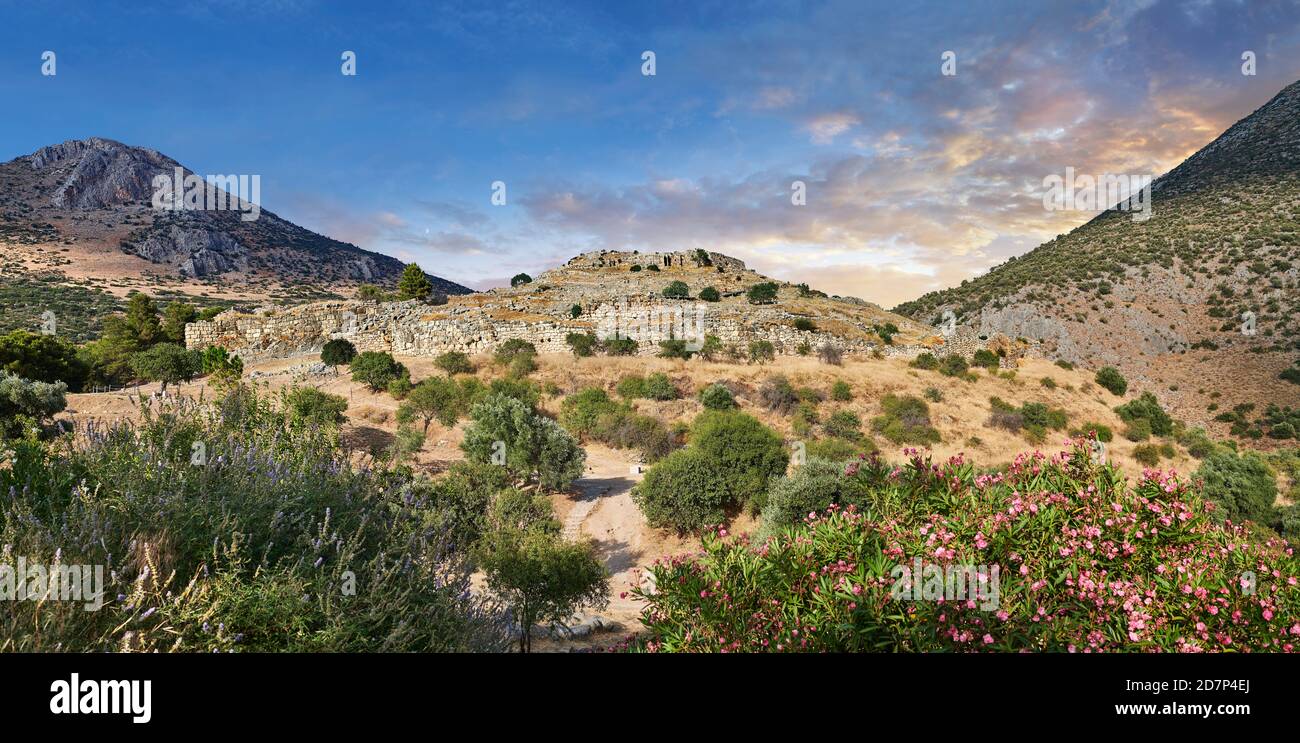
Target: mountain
[84, 210]
[1163, 299]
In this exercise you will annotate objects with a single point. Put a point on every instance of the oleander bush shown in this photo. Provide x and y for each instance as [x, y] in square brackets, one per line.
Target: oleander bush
[1086, 562]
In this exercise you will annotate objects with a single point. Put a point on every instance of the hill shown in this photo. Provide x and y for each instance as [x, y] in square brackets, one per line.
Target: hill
[78, 219]
[1163, 299]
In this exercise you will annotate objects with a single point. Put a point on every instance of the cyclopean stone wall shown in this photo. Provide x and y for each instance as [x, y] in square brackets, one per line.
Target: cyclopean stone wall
[420, 329]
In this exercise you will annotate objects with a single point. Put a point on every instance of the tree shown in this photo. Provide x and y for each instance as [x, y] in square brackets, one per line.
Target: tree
[376, 369]
[764, 293]
[175, 318]
[1243, 487]
[530, 446]
[167, 363]
[338, 352]
[42, 358]
[542, 577]
[414, 284]
[436, 398]
[677, 290]
[710, 294]
[520, 279]
[583, 344]
[142, 320]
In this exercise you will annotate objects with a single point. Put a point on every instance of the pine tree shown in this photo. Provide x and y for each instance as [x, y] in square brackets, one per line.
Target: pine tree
[414, 284]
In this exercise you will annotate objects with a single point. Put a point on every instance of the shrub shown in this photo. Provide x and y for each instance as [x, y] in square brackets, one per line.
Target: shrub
[520, 389]
[659, 387]
[841, 391]
[933, 394]
[829, 354]
[580, 411]
[399, 388]
[711, 348]
[673, 348]
[985, 358]
[338, 352]
[1138, 429]
[512, 349]
[636, 268]
[925, 360]
[310, 406]
[805, 325]
[631, 387]
[618, 346]
[1148, 408]
[677, 290]
[1103, 432]
[575, 311]
[812, 487]
[376, 369]
[844, 424]
[623, 428]
[1048, 382]
[454, 362]
[582, 344]
[1243, 487]
[1066, 518]
[520, 279]
[717, 397]
[761, 352]
[24, 403]
[1110, 378]
[535, 448]
[777, 395]
[953, 365]
[433, 399]
[839, 450]
[764, 293]
[710, 294]
[1147, 454]
[905, 420]
[684, 491]
[743, 449]
[521, 366]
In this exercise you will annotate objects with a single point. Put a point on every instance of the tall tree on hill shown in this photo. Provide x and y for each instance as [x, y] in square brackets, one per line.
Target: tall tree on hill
[414, 284]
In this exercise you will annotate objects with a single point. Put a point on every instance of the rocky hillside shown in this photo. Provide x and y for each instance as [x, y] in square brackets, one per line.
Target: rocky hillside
[1163, 299]
[87, 195]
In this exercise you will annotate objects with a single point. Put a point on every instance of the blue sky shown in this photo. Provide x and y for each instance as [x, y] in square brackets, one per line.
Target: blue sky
[915, 180]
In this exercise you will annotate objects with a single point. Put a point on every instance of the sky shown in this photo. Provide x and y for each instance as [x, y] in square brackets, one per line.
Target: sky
[914, 180]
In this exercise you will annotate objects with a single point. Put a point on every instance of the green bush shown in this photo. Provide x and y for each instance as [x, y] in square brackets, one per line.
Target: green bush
[1110, 378]
[748, 453]
[844, 424]
[841, 391]
[684, 491]
[582, 344]
[659, 387]
[953, 365]
[454, 362]
[905, 420]
[805, 325]
[677, 290]
[985, 358]
[673, 348]
[925, 360]
[520, 279]
[1243, 486]
[761, 352]
[1103, 431]
[42, 358]
[777, 395]
[710, 294]
[580, 411]
[310, 406]
[1147, 407]
[512, 349]
[24, 403]
[631, 387]
[1138, 429]
[376, 370]
[762, 293]
[338, 352]
[717, 397]
[1147, 454]
[618, 346]
[839, 450]
[811, 487]
[535, 448]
